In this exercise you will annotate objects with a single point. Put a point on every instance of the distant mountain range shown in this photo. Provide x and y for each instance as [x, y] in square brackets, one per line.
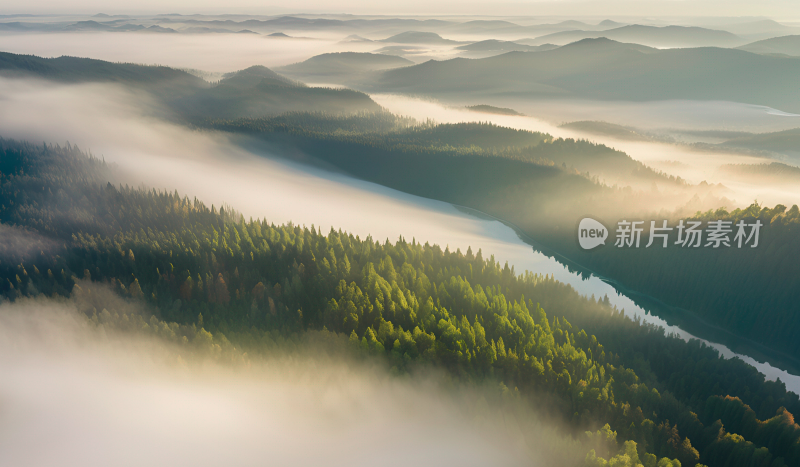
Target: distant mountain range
[667, 36]
[609, 70]
[759, 29]
[120, 25]
[714, 33]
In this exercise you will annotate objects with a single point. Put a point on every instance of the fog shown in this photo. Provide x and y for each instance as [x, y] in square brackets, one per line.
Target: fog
[119, 126]
[214, 53]
[208, 52]
[94, 396]
[692, 165]
[654, 115]
[18, 243]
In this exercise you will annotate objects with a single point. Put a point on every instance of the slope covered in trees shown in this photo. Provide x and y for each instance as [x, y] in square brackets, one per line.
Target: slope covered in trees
[374, 136]
[162, 81]
[254, 92]
[753, 292]
[258, 91]
[545, 189]
[74, 69]
[210, 277]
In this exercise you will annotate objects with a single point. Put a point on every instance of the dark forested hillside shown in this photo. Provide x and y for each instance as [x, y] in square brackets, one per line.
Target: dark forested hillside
[164, 82]
[750, 292]
[74, 69]
[753, 292]
[208, 276]
[254, 92]
[385, 132]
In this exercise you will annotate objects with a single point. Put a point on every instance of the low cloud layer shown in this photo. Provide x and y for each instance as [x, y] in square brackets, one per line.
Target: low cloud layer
[96, 397]
[215, 53]
[122, 127]
[17, 243]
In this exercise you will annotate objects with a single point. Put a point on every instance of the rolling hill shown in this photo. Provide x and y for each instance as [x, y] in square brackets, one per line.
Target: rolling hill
[610, 70]
[416, 37]
[257, 75]
[493, 45]
[758, 29]
[786, 45]
[338, 67]
[785, 142]
[160, 80]
[667, 36]
[254, 92]
[258, 92]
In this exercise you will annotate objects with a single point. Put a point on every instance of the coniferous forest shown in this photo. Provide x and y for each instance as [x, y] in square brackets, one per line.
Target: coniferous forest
[538, 177]
[215, 280]
[195, 267]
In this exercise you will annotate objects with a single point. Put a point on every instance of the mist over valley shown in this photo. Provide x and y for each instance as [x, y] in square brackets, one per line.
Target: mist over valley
[235, 237]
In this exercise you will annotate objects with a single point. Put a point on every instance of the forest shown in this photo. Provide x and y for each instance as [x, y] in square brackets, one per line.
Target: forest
[394, 134]
[211, 279]
[353, 236]
[524, 177]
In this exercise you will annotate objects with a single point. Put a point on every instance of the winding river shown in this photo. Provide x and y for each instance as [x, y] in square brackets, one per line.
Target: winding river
[285, 191]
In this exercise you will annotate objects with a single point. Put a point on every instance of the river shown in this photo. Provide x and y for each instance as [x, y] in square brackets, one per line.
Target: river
[326, 199]
[111, 122]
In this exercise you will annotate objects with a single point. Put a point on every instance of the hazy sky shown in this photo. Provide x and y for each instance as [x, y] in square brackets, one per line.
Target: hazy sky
[777, 9]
